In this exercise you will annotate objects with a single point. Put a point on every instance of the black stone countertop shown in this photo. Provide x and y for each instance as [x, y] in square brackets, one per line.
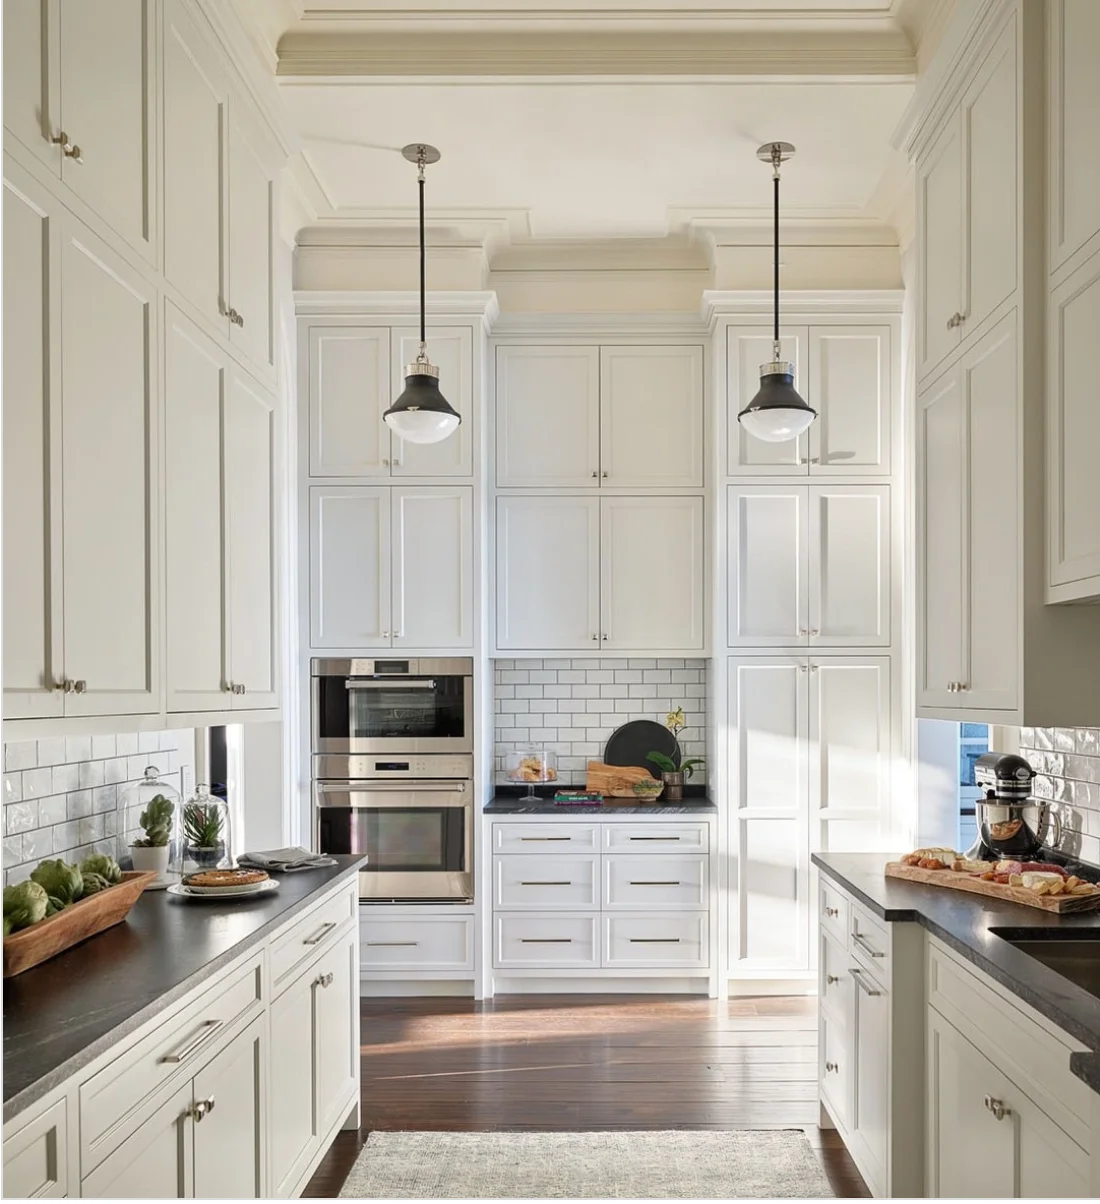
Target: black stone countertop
[975, 927]
[60, 1015]
[509, 804]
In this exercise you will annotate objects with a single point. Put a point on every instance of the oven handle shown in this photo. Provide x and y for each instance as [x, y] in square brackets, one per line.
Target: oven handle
[393, 784]
[412, 683]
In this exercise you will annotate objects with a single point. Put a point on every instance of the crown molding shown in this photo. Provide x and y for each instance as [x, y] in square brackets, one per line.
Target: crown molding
[481, 304]
[671, 54]
[645, 325]
[719, 303]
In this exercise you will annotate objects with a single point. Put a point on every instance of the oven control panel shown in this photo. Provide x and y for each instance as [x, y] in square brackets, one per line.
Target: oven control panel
[392, 766]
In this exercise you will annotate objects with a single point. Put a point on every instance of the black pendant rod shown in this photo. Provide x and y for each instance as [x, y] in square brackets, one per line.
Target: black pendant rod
[423, 324]
[775, 191]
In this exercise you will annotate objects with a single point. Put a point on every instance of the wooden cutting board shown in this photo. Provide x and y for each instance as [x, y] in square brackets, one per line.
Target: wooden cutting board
[616, 781]
[1057, 904]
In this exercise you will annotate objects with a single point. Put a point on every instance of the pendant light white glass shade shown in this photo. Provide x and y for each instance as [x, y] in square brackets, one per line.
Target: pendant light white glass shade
[422, 426]
[777, 425]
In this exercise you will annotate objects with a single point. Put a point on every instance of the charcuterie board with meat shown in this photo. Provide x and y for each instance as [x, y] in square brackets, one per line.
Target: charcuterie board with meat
[1047, 887]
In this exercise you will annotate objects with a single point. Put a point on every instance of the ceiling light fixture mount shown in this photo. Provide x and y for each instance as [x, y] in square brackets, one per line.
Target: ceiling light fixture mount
[422, 414]
[777, 412]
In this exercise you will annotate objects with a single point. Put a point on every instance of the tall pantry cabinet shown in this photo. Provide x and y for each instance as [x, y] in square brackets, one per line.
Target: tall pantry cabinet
[809, 689]
[126, 512]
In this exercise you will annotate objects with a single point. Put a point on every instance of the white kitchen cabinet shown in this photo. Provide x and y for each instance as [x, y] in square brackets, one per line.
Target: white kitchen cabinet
[251, 283]
[33, 652]
[808, 565]
[157, 1161]
[747, 348]
[432, 572]
[1073, 46]
[869, 1118]
[651, 416]
[450, 349]
[36, 1157]
[196, 107]
[537, 536]
[32, 86]
[336, 1052]
[651, 552]
[109, 436]
[941, 217]
[350, 582]
[229, 1140]
[1073, 435]
[349, 391]
[850, 383]
[547, 416]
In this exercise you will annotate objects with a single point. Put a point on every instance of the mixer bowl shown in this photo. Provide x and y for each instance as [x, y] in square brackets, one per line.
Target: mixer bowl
[1016, 831]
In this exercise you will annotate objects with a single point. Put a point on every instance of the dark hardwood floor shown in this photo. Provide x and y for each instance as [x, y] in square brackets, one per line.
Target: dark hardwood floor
[589, 1062]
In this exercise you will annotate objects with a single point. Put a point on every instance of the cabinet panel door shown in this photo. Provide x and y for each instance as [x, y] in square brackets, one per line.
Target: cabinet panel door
[111, 490]
[849, 566]
[534, 534]
[1073, 48]
[195, 110]
[940, 235]
[230, 1146]
[156, 1162]
[769, 739]
[349, 391]
[941, 533]
[36, 1157]
[651, 416]
[349, 575]
[971, 1154]
[433, 567]
[850, 749]
[32, 95]
[108, 110]
[850, 383]
[250, 498]
[548, 415]
[33, 653]
[195, 551]
[1051, 1165]
[335, 1004]
[294, 1132]
[990, 135]
[251, 241]
[747, 348]
[995, 521]
[1073, 434]
[663, 610]
[766, 539]
[450, 349]
[870, 1118]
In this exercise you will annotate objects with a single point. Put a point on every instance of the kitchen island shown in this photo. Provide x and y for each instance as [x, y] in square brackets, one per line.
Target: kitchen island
[114, 1050]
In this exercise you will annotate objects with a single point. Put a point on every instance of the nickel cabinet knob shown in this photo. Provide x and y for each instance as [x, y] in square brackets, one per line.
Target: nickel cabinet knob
[832, 979]
[323, 980]
[202, 1108]
[832, 1067]
[997, 1107]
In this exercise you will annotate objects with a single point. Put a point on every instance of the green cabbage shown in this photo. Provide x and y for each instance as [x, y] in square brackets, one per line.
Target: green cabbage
[94, 883]
[60, 879]
[54, 905]
[24, 904]
[100, 863]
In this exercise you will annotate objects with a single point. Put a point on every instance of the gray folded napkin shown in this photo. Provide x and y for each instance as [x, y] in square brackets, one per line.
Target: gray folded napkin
[285, 861]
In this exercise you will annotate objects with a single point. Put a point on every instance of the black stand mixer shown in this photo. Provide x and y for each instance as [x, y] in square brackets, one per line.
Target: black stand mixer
[1011, 824]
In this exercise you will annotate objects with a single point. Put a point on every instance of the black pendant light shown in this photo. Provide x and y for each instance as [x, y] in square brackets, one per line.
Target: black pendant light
[422, 414]
[777, 413]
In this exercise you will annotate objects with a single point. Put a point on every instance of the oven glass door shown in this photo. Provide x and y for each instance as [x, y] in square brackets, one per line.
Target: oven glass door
[399, 714]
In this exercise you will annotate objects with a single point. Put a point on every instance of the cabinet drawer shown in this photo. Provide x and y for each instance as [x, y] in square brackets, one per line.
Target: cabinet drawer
[869, 940]
[546, 838]
[546, 941]
[418, 943]
[833, 906]
[677, 940]
[835, 989]
[315, 931]
[654, 884]
[109, 1099]
[566, 882]
[36, 1157]
[834, 1070]
[656, 838]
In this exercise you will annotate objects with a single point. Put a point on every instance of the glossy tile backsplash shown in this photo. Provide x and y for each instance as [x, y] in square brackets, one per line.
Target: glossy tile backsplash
[1067, 761]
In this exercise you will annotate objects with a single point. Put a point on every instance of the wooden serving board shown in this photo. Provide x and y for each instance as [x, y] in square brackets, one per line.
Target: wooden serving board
[1057, 904]
[616, 781]
[31, 946]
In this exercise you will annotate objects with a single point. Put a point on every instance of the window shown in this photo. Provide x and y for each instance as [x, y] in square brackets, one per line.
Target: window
[973, 742]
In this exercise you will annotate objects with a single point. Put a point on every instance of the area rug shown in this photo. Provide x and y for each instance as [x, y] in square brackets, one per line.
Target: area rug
[677, 1164]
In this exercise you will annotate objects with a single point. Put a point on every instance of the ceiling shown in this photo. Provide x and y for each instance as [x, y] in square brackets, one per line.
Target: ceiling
[558, 120]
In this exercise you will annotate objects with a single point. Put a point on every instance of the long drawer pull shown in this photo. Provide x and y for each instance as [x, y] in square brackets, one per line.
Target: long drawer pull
[534, 839]
[673, 838]
[546, 884]
[655, 883]
[320, 934]
[858, 976]
[392, 944]
[545, 940]
[654, 940]
[205, 1033]
[862, 942]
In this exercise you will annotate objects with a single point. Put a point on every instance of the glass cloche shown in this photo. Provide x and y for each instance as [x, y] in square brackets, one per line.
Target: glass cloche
[531, 766]
[150, 809]
[203, 838]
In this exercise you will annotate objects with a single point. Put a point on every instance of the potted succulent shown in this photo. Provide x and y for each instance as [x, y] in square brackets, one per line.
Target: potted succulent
[203, 826]
[151, 853]
[674, 775]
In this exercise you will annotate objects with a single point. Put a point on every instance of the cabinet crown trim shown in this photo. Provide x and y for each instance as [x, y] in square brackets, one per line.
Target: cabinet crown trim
[720, 303]
[481, 305]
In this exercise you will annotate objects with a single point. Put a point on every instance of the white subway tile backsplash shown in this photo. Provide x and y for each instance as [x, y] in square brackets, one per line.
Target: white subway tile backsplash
[65, 778]
[104, 747]
[37, 782]
[1067, 761]
[20, 817]
[51, 751]
[114, 770]
[92, 774]
[127, 743]
[54, 810]
[13, 787]
[20, 754]
[80, 804]
[78, 748]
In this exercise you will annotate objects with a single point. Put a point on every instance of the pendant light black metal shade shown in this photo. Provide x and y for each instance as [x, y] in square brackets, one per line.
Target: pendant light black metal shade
[422, 414]
[777, 413]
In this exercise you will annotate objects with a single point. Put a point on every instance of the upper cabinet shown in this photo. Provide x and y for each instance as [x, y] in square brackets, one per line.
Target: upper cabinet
[610, 416]
[250, 284]
[354, 374]
[79, 94]
[844, 372]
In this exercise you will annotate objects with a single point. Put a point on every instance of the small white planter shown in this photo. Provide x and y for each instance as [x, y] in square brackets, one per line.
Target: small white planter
[150, 859]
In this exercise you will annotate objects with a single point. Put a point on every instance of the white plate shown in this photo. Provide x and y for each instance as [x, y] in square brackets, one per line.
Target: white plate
[241, 888]
[224, 892]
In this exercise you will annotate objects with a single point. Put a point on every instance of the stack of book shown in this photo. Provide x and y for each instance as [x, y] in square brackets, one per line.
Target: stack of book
[588, 798]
